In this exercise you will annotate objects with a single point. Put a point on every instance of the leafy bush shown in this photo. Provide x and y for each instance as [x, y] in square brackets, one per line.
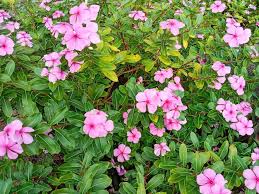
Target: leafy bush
[129, 97]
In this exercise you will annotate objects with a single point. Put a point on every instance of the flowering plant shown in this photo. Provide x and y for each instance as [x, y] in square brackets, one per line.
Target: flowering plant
[129, 97]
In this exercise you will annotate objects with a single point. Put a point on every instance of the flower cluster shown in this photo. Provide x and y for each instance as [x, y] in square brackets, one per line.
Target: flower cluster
[212, 183]
[4, 15]
[163, 74]
[122, 153]
[222, 70]
[252, 178]
[237, 83]
[236, 35]
[96, 124]
[173, 25]
[44, 4]
[12, 137]
[236, 114]
[217, 7]
[24, 39]
[138, 15]
[79, 33]
[12, 26]
[255, 155]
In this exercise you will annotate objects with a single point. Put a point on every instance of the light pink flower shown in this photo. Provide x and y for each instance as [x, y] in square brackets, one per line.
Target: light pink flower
[63, 27]
[56, 74]
[173, 25]
[231, 22]
[200, 36]
[121, 170]
[230, 112]
[52, 59]
[236, 36]
[163, 74]
[23, 135]
[175, 85]
[96, 124]
[178, 12]
[134, 135]
[255, 155]
[221, 68]
[156, 131]
[74, 66]
[148, 100]
[138, 15]
[208, 180]
[12, 26]
[9, 147]
[217, 6]
[24, 39]
[243, 126]
[6, 45]
[245, 108]
[78, 14]
[57, 14]
[173, 124]
[44, 5]
[125, 116]
[161, 149]
[4, 15]
[221, 104]
[47, 22]
[122, 153]
[12, 127]
[252, 178]
[237, 83]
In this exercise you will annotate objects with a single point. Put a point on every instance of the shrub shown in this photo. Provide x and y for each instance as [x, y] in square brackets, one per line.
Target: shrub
[129, 97]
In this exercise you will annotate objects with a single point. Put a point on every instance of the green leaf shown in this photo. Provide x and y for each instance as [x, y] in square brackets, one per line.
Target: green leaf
[183, 154]
[10, 66]
[64, 138]
[101, 182]
[194, 139]
[48, 143]
[64, 191]
[149, 64]
[4, 78]
[155, 181]
[7, 108]
[111, 75]
[133, 118]
[164, 60]
[127, 188]
[223, 151]
[5, 186]
[218, 166]
[58, 116]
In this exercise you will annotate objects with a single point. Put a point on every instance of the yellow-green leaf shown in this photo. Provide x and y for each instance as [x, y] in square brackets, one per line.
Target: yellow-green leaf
[111, 75]
[174, 53]
[185, 43]
[164, 60]
[133, 58]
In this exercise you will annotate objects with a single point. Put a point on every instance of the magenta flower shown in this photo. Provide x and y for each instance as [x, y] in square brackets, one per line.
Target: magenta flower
[57, 14]
[255, 155]
[52, 59]
[217, 6]
[221, 68]
[163, 74]
[148, 100]
[208, 180]
[161, 149]
[236, 36]
[134, 135]
[24, 39]
[12, 26]
[156, 131]
[173, 25]
[121, 170]
[237, 83]
[4, 15]
[96, 124]
[9, 147]
[138, 15]
[12, 127]
[6, 45]
[252, 178]
[122, 153]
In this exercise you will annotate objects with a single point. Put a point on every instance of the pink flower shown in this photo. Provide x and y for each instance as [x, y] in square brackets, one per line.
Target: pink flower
[23, 135]
[125, 116]
[48, 22]
[52, 59]
[69, 55]
[24, 39]
[230, 112]
[148, 100]
[163, 74]
[96, 124]
[177, 46]
[245, 108]
[140, 80]
[208, 180]
[9, 147]
[200, 36]
[6, 45]
[217, 6]
[252, 178]
[221, 68]
[56, 74]
[176, 85]
[57, 14]
[78, 14]
[173, 124]
[12, 26]
[161, 149]
[74, 66]
[4, 15]
[122, 153]
[243, 126]
[255, 155]
[178, 12]
[44, 5]
[134, 135]
[138, 15]
[231, 22]
[156, 131]
[221, 104]
[237, 83]
[12, 127]
[173, 25]
[63, 27]
[121, 170]
[236, 36]
[217, 84]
